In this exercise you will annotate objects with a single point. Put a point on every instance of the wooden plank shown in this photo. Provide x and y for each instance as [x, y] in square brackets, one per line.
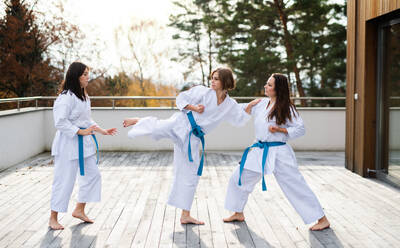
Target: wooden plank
[115, 214]
[179, 238]
[72, 234]
[230, 233]
[154, 235]
[75, 230]
[41, 232]
[350, 82]
[338, 220]
[192, 231]
[168, 226]
[17, 186]
[167, 233]
[372, 217]
[205, 231]
[259, 229]
[392, 5]
[148, 213]
[363, 212]
[39, 229]
[349, 213]
[119, 194]
[360, 89]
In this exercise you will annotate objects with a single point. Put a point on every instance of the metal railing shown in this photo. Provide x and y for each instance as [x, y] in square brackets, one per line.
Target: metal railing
[19, 100]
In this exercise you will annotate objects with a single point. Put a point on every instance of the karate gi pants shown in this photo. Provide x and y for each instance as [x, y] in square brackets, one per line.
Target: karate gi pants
[185, 177]
[65, 173]
[290, 181]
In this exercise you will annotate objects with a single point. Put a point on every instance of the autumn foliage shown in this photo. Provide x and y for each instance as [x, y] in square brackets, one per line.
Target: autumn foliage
[124, 85]
[33, 56]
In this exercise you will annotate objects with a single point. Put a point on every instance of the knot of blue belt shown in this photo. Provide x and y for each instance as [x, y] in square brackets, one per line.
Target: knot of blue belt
[262, 145]
[81, 156]
[196, 131]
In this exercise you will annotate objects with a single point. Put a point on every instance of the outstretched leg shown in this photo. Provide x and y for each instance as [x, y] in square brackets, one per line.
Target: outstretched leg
[300, 195]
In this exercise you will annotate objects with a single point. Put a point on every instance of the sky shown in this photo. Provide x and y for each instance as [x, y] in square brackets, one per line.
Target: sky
[98, 19]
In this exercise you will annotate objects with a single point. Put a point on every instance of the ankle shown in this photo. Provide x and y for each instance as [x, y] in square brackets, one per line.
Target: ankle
[185, 214]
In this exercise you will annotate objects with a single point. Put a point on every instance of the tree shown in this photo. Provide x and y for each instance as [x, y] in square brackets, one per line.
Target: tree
[303, 39]
[24, 71]
[194, 31]
[28, 66]
[246, 39]
[140, 50]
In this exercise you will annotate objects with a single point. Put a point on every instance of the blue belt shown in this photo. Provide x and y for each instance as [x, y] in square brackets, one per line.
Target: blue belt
[262, 145]
[81, 156]
[196, 131]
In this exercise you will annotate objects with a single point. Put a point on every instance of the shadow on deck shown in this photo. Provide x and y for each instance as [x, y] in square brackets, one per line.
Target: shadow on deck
[132, 213]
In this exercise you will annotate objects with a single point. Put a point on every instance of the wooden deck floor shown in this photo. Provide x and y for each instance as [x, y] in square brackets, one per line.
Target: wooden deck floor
[133, 213]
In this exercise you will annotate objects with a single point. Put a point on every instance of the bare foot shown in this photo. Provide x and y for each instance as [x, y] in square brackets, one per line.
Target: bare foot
[190, 220]
[130, 121]
[82, 216]
[322, 224]
[235, 217]
[54, 225]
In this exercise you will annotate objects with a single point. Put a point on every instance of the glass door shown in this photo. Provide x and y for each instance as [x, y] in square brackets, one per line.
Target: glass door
[388, 96]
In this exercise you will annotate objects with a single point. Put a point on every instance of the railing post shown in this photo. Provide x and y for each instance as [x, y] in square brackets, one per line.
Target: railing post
[36, 103]
[18, 105]
[113, 103]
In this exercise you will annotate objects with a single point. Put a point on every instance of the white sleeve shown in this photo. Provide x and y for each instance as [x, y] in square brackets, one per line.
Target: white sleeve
[238, 117]
[61, 112]
[92, 122]
[255, 108]
[295, 127]
[192, 96]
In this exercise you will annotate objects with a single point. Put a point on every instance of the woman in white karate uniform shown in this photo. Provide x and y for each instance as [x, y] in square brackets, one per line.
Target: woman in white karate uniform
[276, 120]
[209, 107]
[72, 118]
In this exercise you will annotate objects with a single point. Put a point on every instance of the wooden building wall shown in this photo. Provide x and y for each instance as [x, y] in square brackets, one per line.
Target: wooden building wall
[362, 16]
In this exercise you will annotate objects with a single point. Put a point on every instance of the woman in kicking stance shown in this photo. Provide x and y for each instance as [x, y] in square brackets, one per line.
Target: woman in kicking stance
[74, 146]
[276, 120]
[202, 109]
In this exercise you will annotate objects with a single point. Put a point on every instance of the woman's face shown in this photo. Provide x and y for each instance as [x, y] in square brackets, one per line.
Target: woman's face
[215, 82]
[84, 78]
[269, 87]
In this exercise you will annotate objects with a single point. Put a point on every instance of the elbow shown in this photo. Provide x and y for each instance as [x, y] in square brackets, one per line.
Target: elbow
[302, 130]
[59, 125]
[181, 105]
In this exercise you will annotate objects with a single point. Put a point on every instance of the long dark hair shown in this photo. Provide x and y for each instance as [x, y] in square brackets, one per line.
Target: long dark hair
[283, 105]
[71, 82]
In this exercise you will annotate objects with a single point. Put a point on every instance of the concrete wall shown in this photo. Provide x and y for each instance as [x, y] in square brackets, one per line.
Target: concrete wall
[26, 134]
[21, 137]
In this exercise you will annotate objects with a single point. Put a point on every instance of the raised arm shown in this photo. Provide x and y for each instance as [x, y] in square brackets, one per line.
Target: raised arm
[190, 98]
